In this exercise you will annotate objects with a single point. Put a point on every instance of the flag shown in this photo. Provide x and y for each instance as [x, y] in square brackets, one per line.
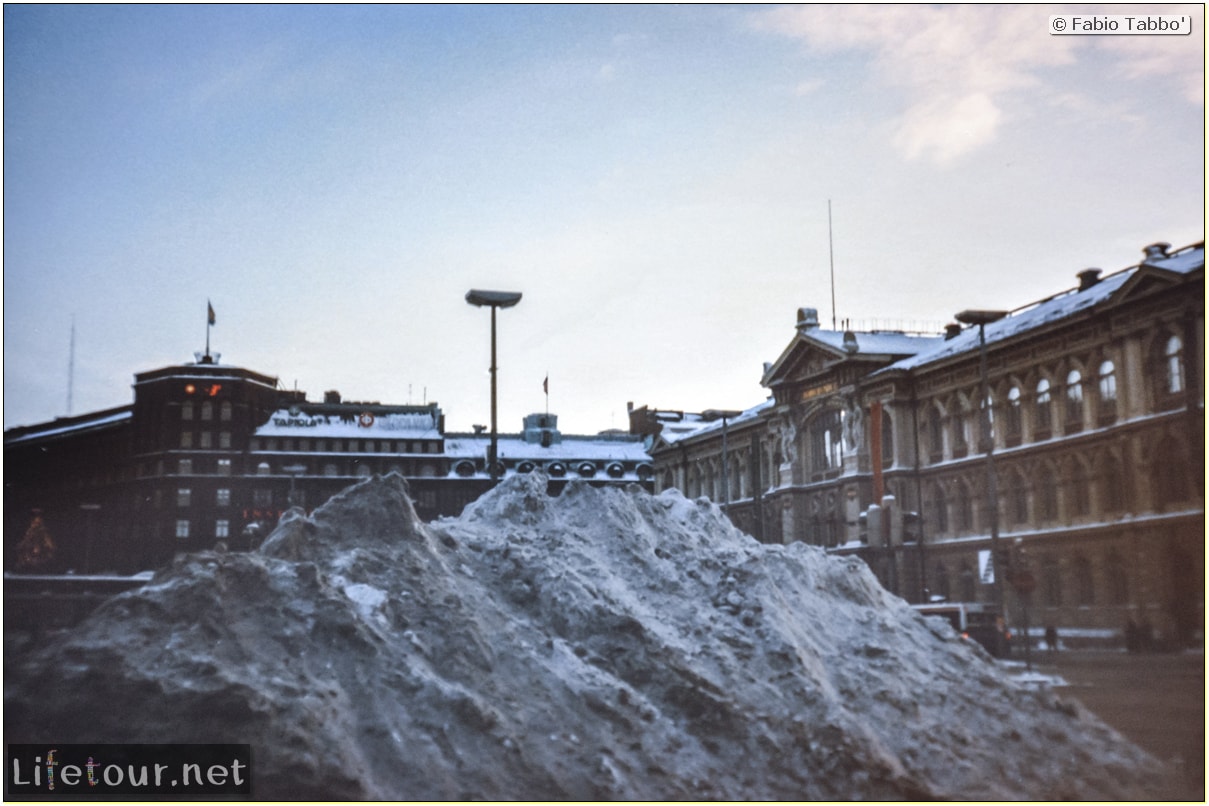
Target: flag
[209, 312]
[546, 385]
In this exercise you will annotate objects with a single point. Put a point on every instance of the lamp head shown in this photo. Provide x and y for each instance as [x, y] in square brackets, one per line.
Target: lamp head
[494, 299]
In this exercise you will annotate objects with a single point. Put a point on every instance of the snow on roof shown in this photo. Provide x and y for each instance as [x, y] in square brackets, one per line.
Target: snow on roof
[1056, 308]
[58, 428]
[694, 425]
[403, 425]
[877, 342]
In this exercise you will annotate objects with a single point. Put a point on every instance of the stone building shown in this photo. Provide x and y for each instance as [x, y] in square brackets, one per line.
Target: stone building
[1077, 491]
[210, 453]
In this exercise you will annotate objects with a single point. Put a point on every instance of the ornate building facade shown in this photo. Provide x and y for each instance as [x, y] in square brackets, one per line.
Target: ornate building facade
[1049, 458]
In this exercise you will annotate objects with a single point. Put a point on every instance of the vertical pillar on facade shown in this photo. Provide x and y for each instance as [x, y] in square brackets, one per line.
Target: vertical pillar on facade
[852, 517]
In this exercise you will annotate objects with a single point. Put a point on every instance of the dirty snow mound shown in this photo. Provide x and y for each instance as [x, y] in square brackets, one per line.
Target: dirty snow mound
[605, 644]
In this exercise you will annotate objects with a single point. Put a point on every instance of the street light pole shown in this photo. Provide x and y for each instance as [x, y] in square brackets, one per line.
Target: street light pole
[493, 300]
[999, 567]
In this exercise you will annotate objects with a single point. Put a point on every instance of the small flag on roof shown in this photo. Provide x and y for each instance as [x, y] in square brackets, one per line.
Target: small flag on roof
[209, 312]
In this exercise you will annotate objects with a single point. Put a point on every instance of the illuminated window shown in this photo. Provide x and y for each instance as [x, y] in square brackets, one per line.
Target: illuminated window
[1074, 400]
[223, 467]
[222, 497]
[222, 529]
[182, 529]
[1108, 392]
[183, 497]
[1044, 418]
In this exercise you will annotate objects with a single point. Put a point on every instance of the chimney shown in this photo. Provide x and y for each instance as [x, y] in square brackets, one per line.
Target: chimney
[952, 330]
[850, 345]
[331, 396]
[1156, 251]
[808, 318]
[1088, 278]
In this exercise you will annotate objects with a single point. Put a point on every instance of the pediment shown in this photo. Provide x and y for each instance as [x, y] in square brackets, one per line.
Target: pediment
[1145, 281]
[803, 359]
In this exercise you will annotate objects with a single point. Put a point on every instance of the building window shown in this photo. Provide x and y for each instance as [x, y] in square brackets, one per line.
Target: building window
[263, 469]
[1080, 490]
[224, 467]
[1044, 417]
[1051, 582]
[187, 410]
[1047, 495]
[184, 467]
[224, 440]
[936, 435]
[222, 497]
[1174, 355]
[1017, 499]
[207, 439]
[1169, 472]
[1108, 392]
[966, 579]
[1074, 401]
[222, 529]
[940, 582]
[330, 469]
[958, 422]
[184, 496]
[1113, 486]
[942, 511]
[1118, 580]
[186, 439]
[1085, 590]
[965, 509]
[887, 439]
[262, 498]
[207, 410]
[182, 529]
[1014, 422]
[826, 443]
[224, 411]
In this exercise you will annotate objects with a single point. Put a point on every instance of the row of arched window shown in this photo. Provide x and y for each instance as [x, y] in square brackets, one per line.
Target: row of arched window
[205, 410]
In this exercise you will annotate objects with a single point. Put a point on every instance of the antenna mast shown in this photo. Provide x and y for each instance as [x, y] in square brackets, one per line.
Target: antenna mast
[71, 363]
[831, 255]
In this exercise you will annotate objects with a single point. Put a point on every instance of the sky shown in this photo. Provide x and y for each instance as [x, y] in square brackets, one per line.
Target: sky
[665, 185]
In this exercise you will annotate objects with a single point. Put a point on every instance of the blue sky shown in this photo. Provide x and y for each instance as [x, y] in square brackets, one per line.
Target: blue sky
[654, 179]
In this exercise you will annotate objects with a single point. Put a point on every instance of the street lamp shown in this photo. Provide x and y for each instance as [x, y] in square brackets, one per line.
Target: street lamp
[493, 300]
[293, 470]
[999, 567]
[710, 415]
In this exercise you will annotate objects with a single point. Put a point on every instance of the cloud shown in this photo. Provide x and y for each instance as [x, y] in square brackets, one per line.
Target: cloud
[955, 65]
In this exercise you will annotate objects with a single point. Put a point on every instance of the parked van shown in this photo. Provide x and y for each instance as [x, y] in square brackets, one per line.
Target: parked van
[974, 621]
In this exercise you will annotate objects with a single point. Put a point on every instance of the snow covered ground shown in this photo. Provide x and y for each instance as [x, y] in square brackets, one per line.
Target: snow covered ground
[605, 644]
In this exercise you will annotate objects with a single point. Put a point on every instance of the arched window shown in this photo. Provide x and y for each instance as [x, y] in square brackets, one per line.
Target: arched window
[224, 411]
[887, 439]
[1074, 401]
[207, 410]
[1174, 362]
[1112, 485]
[1051, 582]
[941, 509]
[1047, 494]
[966, 579]
[1171, 485]
[187, 410]
[940, 581]
[262, 469]
[1085, 589]
[1013, 421]
[668, 480]
[936, 435]
[826, 443]
[1118, 580]
[959, 422]
[1017, 498]
[1044, 417]
[1080, 486]
[965, 509]
[1108, 393]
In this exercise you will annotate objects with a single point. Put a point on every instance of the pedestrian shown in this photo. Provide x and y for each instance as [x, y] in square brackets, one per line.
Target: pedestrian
[1051, 638]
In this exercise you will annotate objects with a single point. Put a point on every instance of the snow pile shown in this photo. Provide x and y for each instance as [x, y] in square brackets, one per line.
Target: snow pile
[606, 644]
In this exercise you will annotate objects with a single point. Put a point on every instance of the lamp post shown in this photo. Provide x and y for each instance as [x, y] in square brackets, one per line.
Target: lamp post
[999, 567]
[493, 300]
[709, 415]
